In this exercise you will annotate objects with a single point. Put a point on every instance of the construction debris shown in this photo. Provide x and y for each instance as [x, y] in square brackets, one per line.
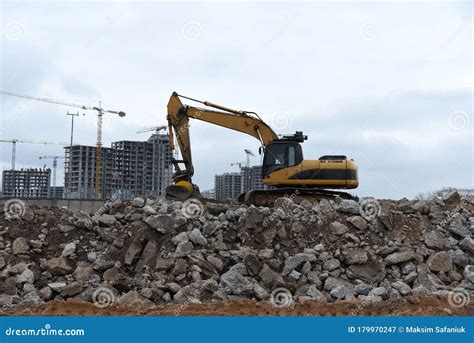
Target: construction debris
[156, 252]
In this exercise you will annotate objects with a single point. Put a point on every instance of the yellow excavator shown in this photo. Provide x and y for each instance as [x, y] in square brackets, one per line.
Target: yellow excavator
[283, 165]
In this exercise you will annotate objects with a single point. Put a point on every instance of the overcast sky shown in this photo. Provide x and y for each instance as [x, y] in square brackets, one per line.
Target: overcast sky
[387, 84]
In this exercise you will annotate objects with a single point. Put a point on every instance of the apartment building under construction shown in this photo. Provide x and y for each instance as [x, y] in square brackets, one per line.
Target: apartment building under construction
[26, 183]
[128, 168]
[252, 178]
[230, 185]
[227, 185]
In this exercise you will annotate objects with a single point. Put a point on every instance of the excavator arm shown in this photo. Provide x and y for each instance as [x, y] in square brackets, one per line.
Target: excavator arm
[178, 122]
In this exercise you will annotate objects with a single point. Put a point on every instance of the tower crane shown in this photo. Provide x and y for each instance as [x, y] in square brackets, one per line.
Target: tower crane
[100, 112]
[154, 128]
[248, 153]
[247, 163]
[55, 165]
[14, 141]
[157, 129]
[237, 164]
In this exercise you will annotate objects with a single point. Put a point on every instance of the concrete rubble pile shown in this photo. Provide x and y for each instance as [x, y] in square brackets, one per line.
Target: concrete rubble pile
[156, 252]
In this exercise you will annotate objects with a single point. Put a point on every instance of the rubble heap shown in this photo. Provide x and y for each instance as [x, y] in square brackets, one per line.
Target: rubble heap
[155, 251]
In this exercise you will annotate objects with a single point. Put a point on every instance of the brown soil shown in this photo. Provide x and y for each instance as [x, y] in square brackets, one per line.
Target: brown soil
[411, 306]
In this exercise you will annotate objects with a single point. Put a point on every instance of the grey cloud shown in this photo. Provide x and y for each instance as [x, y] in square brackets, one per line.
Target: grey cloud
[366, 99]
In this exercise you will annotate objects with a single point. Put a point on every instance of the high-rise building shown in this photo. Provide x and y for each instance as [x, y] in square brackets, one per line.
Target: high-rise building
[56, 192]
[162, 166]
[79, 171]
[128, 168]
[26, 183]
[209, 194]
[228, 185]
[252, 178]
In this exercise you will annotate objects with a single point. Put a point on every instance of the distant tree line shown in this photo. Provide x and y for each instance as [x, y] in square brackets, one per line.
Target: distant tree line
[434, 194]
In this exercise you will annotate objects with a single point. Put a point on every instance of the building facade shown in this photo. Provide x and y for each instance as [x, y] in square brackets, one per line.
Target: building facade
[79, 171]
[230, 185]
[252, 178]
[56, 192]
[26, 183]
[128, 168]
[227, 185]
[209, 194]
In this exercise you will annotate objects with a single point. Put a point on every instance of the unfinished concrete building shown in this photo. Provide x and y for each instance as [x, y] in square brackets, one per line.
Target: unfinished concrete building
[227, 185]
[26, 183]
[128, 168]
[79, 171]
[162, 167]
[142, 167]
[252, 178]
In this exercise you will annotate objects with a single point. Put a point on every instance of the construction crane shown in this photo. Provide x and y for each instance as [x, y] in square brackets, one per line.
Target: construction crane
[247, 163]
[14, 141]
[100, 112]
[155, 128]
[55, 165]
[237, 164]
[72, 123]
[248, 153]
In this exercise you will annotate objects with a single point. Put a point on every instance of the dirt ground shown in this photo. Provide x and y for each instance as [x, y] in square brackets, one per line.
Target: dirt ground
[411, 306]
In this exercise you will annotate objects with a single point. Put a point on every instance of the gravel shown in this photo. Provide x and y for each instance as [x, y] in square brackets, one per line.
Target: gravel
[151, 251]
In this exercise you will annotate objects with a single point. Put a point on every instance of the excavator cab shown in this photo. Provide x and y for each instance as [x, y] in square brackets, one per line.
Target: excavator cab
[279, 155]
[283, 153]
[283, 167]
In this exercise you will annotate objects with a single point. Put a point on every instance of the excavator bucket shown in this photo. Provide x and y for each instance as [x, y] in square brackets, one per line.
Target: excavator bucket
[178, 192]
[183, 190]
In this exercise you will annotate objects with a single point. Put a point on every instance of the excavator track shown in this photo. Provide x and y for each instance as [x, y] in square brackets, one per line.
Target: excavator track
[259, 197]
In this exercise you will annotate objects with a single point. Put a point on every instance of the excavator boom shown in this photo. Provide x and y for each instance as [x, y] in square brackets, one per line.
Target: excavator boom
[178, 122]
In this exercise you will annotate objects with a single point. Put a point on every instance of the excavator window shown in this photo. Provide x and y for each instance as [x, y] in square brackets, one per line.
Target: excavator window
[279, 155]
[291, 156]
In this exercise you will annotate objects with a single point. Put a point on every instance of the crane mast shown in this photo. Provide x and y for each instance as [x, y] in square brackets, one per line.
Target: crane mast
[55, 165]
